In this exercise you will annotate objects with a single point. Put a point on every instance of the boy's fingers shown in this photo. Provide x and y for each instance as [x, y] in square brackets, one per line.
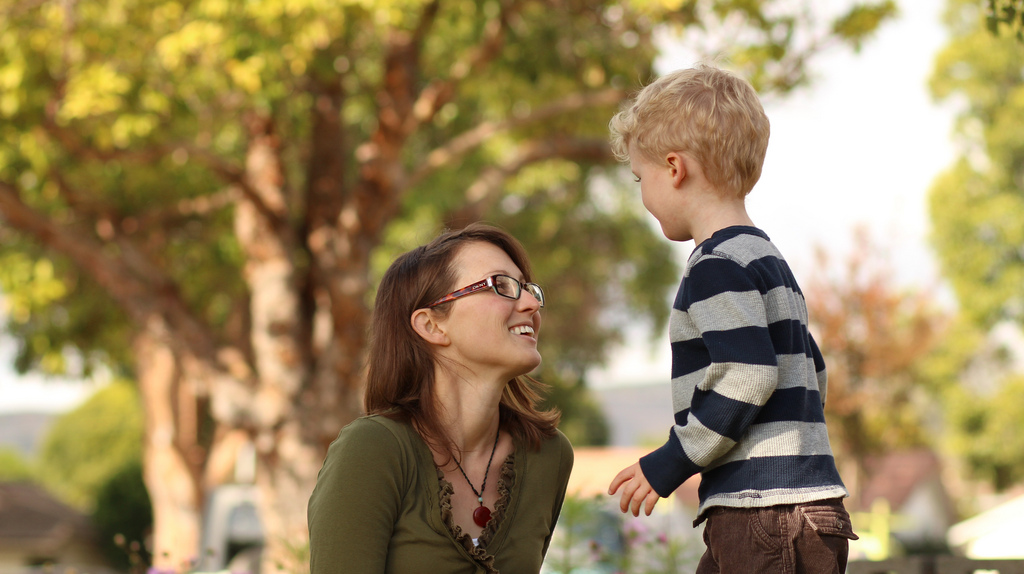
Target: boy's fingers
[636, 492]
[620, 478]
[638, 498]
[628, 492]
[652, 499]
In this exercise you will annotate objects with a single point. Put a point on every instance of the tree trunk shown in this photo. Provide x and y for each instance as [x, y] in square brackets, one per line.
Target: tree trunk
[174, 490]
[285, 477]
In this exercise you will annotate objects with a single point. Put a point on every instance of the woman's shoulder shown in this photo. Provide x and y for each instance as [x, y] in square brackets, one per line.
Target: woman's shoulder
[377, 441]
[557, 450]
[558, 442]
[376, 429]
[561, 442]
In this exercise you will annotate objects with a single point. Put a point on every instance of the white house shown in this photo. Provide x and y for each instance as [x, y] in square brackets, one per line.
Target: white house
[993, 534]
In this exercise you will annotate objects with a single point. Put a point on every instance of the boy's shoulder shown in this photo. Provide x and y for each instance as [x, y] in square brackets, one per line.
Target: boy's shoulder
[740, 242]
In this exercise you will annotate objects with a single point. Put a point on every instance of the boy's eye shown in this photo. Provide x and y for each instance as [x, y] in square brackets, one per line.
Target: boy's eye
[636, 178]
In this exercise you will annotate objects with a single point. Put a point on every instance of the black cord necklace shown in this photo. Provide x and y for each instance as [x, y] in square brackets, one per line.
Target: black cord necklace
[482, 514]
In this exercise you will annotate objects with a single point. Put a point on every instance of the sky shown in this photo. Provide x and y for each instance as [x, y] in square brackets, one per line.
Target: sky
[859, 147]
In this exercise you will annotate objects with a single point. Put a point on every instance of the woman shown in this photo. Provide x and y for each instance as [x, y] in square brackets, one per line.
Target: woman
[454, 469]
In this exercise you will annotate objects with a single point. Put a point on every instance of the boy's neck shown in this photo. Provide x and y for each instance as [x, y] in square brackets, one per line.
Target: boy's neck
[719, 215]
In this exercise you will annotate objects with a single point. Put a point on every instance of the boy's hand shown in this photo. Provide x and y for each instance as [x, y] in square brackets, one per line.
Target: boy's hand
[636, 491]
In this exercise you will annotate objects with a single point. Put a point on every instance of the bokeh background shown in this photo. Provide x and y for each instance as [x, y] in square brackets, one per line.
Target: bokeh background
[196, 199]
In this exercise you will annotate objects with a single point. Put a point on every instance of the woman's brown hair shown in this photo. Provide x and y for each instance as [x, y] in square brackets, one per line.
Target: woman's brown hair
[400, 377]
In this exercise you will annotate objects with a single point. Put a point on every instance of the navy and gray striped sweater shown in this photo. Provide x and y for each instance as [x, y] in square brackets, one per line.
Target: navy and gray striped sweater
[748, 383]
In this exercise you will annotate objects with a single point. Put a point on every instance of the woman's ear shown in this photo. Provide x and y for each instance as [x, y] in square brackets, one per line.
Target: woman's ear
[425, 323]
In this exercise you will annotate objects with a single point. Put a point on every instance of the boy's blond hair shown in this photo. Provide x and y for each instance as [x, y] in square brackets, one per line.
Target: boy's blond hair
[709, 113]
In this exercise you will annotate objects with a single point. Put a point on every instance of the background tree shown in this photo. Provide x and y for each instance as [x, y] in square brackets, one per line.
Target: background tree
[215, 186]
[1006, 15]
[875, 337]
[123, 516]
[85, 447]
[92, 459]
[14, 466]
[976, 207]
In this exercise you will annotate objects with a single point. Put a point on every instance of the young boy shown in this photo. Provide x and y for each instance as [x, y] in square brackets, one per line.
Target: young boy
[748, 381]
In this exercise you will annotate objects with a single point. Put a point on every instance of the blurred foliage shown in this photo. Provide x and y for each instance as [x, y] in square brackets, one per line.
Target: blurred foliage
[92, 459]
[123, 516]
[1006, 15]
[594, 537]
[587, 538]
[582, 420]
[976, 207]
[154, 153]
[988, 436]
[877, 339]
[121, 119]
[14, 467]
[89, 445]
[863, 19]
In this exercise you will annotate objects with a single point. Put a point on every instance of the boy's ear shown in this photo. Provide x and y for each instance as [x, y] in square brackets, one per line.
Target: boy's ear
[426, 325]
[676, 167]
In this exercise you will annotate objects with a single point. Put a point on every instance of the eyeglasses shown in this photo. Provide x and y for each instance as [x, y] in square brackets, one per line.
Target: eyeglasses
[502, 284]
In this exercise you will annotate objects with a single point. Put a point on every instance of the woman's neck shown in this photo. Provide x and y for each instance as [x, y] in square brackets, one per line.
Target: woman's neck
[470, 411]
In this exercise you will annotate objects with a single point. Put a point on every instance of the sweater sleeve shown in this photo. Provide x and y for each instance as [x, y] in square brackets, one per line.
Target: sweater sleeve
[356, 501]
[819, 370]
[731, 345]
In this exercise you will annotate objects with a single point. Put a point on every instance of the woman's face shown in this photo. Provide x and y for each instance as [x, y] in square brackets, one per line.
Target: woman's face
[493, 336]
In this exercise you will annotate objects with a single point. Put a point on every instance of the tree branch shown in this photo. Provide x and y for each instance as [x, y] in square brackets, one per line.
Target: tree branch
[87, 253]
[228, 172]
[237, 177]
[181, 210]
[458, 147]
[439, 92]
[402, 70]
[73, 144]
[144, 292]
[484, 192]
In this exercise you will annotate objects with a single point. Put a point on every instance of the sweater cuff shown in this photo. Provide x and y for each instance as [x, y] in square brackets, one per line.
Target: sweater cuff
[668, 467]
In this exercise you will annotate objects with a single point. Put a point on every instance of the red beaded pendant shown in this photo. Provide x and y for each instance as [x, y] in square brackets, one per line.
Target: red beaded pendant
[481, 515]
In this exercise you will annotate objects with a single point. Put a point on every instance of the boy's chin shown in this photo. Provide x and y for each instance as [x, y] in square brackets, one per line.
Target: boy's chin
[675, 234]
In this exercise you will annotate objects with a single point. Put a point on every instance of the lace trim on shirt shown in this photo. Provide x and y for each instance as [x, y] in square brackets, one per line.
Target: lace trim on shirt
[506, 479]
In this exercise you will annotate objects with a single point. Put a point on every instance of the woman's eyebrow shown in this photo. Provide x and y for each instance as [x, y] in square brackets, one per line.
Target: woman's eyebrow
[519, 277]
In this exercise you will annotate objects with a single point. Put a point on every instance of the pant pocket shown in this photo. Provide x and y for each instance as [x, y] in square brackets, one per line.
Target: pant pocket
[829, 518]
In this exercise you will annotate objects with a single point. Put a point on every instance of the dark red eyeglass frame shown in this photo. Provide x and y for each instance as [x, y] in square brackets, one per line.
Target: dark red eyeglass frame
[492, 283]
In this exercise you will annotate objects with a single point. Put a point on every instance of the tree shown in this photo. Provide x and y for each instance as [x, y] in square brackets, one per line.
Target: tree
[90, 444]
[14, 467]
[976, 204]
[214, 188]
[876, 339]
[976, 207]
[987, 433]
[1006, 14]
[123, 515]
[92, 459]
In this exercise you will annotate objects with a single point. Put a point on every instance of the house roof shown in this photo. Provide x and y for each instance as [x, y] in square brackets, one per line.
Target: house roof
[1005, 518]
[33, 521]
[894, 476]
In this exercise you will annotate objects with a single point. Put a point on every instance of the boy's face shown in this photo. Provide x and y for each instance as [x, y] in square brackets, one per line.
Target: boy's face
[660, 192]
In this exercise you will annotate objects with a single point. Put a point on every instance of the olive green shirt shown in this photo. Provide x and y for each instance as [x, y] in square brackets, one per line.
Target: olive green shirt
[380, 506]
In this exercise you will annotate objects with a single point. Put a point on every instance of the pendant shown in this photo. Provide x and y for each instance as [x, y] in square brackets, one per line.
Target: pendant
[481, 515]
